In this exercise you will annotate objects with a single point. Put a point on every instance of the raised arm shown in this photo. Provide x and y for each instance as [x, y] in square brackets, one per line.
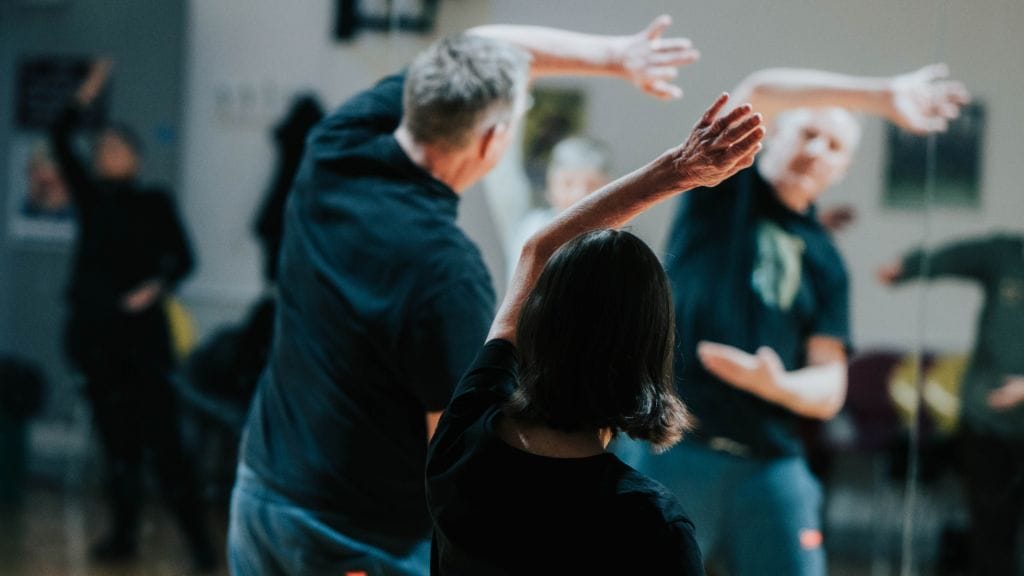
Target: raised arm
[645, 59]
[968, 259]
[73, 169]
[920, 102]
[715, 149]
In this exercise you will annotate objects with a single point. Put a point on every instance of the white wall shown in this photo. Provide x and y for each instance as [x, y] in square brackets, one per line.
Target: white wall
[274, 48]
[286, 45]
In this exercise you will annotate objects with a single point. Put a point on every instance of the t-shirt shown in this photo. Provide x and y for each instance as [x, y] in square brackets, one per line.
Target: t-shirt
[749, 272]
[383, 302]
[500, 510]
[996, 263]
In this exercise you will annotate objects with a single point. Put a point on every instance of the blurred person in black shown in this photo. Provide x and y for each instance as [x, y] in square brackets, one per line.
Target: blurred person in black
[290, 140]
[131, 251]
[383, 300]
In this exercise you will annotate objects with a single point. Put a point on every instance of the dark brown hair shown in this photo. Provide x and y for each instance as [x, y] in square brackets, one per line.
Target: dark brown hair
[596, 339]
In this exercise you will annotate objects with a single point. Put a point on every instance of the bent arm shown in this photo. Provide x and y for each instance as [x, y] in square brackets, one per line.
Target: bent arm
[715, 150]
[815, 391]
[645, 59]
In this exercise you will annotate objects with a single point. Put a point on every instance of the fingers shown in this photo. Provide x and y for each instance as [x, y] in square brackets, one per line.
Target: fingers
[735, 115]
[934, 71]
[750, 145]
[711, 113]
[954, 92]
[657, 26]
[675, 58]
[739, 129]
[663, 90]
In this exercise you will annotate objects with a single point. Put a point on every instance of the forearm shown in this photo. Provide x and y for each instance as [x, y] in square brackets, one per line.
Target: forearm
[561, 52]
[775, 90]
[610, 207]
[71, 166]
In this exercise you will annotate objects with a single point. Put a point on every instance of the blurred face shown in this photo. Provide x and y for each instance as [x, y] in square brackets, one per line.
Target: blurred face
[115, 159]
[809, 152]
[566, 186]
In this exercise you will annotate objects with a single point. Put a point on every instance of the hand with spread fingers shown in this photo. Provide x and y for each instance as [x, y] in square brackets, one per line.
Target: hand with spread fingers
[923, 101]
[760, 374]
[718, 147]
[651, 62]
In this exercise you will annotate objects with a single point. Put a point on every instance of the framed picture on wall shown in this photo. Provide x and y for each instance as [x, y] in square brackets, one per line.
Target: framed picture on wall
[957, 164]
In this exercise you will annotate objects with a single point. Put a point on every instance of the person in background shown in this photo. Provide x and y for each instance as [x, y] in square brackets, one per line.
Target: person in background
[762, 314]
[991, 429]
[131, 251]
[578, 166]
[382, 299]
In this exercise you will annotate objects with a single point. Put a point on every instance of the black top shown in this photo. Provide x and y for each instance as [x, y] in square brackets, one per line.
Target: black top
[383, 301]
[128, 233]
[748, 272]
[500, 510]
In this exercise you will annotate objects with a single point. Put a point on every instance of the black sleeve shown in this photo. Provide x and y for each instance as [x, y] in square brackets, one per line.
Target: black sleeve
[447, 332]
[970, 259]
[175, 253]
[74, 172]
[684, 553]
[833, 316]
[375, 111]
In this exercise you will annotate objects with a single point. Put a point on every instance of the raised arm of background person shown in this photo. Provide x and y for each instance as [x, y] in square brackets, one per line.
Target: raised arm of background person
[816, 391]
[646, 59]
[78, 178]
[968, 259]
[715, 150]
[920, 102]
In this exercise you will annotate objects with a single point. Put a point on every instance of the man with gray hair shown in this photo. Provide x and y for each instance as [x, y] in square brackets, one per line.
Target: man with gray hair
[762, 314]
[383, 301]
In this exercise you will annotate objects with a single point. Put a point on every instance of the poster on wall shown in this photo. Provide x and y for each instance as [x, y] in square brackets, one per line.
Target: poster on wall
[957, 164]
[39, 204]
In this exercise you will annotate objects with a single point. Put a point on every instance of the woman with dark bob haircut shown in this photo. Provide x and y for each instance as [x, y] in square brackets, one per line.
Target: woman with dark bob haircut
[518, 477]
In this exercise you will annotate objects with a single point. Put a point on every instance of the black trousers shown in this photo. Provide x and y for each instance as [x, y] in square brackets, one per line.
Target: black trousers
[994, 478]
[126, 360]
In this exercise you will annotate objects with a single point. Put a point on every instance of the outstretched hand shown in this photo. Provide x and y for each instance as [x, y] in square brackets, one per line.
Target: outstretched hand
[94, 82]
[718, 147]
[1008, 396]
[923, 102]
[650, 62]
[758, 374]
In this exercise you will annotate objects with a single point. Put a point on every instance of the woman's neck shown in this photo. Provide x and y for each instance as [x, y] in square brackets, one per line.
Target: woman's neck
[544, 441]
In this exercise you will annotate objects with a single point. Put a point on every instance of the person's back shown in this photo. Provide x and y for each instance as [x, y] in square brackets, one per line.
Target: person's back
[371, 255]
[501, 510]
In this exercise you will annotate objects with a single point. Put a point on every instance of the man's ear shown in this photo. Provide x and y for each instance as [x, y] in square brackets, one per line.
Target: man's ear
[491, 139]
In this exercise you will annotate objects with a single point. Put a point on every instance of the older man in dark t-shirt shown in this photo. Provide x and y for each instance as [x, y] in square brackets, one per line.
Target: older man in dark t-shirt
[762, 315]
[384, 301]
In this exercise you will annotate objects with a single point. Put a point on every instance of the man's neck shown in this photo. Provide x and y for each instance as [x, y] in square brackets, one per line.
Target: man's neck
[453, 168]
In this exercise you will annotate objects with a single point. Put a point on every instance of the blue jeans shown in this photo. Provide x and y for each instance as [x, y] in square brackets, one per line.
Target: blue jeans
[754, 516]
[271, 536]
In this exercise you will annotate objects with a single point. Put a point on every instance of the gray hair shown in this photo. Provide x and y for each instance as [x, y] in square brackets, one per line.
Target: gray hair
[459, 83]
[580, 152]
